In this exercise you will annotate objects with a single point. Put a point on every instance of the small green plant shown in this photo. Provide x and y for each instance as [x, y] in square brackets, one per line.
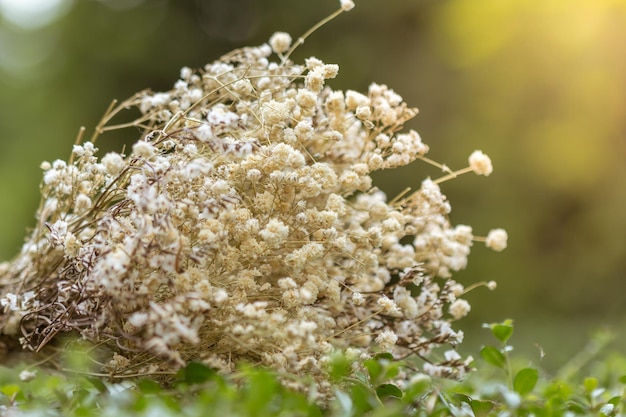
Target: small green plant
[372, 389]
[527, 391]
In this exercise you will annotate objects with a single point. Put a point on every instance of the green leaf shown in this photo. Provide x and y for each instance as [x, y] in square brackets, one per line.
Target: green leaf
[418, 387]
[590, 384]
[576, 406]
[261, 391]
[344, 402]
[80, 396]
[392, 369]
[615, 400]
[374, 368]
[98, 384]
[339, 367]
[462, 397]
[196, 373]
[388, 390]
[83, 411]
[502, 331]
[493, 356]
[607, 410]
[525, 381]
[10, 390]
[148, 386]
[481, 408]
[385, 355]
[622, 379]
[362, 399]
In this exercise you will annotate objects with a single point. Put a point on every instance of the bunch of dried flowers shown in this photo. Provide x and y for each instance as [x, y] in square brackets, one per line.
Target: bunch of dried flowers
[243, 226]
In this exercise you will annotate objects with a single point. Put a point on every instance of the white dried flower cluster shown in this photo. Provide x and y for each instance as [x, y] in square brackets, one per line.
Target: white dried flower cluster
[243, 225]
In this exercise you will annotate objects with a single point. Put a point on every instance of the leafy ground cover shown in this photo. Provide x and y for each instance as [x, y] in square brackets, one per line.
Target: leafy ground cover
[592, 384]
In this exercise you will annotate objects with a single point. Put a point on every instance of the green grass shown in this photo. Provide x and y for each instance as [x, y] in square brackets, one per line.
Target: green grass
[592, 384]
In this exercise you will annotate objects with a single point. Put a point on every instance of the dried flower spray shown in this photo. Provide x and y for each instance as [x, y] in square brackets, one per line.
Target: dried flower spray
[243, 226]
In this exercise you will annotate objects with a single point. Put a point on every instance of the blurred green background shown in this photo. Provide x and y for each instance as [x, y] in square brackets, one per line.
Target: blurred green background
[539, 85]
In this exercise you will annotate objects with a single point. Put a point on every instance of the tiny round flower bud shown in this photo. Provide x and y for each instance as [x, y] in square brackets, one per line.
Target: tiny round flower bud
[386, 339]
[459, 309]
[330, 70]
[27, 375]
[363, 112]
[280, 42]
[113, 163]
[496, 240]
[314, 80]
[143, 149]
[186, 73]
[480, 163]
[346, 5]
[358, 299]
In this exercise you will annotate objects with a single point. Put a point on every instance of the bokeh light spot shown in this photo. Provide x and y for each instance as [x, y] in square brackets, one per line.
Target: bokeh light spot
[33, 14]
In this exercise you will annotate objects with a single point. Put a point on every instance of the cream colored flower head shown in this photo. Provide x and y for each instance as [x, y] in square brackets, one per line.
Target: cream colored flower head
[497, 239]
[480, 163]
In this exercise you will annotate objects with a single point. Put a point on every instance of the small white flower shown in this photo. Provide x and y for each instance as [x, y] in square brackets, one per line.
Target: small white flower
[220, 296]
[138, 319]
[607, 409]
[27, 375]
[497, 239]
[72, 245]
[78, 150]
[280, 42]
[287, 283]
[346, 5]
[480, 163]
[186, 73]
[10, 300]
[275, 232]
[143, 149]
[274, 112]
[354, 99]
[83, 203]
[386, 339]
[363, 112]
[113, 163]
[511, 398]
[451, 355]
[459, 309]
[314, 80]
[388, 305]
[357, 298]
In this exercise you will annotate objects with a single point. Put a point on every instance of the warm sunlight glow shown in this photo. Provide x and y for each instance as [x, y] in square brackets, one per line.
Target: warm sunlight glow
[32, 14]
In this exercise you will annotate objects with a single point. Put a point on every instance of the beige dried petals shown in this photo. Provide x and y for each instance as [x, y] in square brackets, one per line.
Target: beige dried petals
[346, 5]
[459, 309]
[480, 163]
[280, 42]
[497, 239]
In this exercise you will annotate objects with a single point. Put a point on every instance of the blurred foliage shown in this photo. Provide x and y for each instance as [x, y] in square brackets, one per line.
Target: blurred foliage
[539, 85]
[505, 384]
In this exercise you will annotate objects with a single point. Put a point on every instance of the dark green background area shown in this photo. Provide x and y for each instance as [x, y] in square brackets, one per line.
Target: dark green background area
[539, 85]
